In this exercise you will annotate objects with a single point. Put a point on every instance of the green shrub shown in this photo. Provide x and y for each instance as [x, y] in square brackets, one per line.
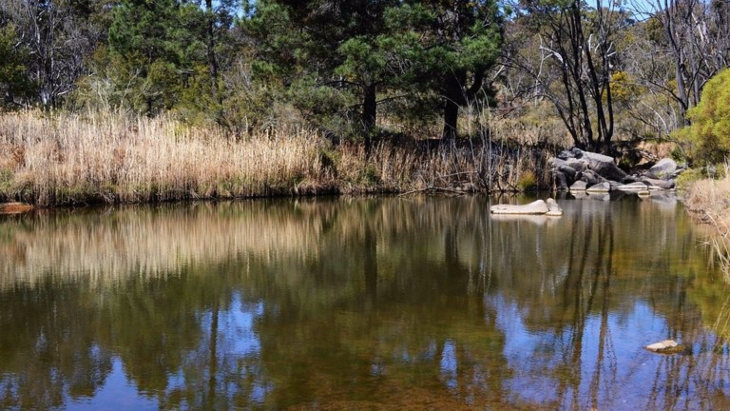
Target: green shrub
[708, 137]
[527, 181]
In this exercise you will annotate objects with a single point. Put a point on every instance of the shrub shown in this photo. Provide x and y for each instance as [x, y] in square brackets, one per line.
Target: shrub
[708, 137]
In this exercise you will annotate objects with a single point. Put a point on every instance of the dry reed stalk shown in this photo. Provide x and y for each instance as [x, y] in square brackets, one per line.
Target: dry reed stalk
[69, 159]
[109, 157]
[711, 200]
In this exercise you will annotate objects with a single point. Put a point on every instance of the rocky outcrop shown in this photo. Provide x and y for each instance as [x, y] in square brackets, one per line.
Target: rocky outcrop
[539, 207]
[583, 171]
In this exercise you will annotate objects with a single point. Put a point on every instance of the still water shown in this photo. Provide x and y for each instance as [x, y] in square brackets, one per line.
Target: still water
[348, 304]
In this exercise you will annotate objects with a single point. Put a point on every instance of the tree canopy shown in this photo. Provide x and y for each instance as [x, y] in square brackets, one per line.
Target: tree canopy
[362, 69]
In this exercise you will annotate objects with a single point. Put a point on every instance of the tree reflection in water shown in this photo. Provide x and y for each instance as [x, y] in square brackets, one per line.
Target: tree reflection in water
[350, 304]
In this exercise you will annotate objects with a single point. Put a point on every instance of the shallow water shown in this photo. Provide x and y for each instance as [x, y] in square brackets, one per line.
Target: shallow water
[337, 304]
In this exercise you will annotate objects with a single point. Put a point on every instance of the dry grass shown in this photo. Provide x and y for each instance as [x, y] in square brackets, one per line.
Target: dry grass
[111, 158]
[709, 199]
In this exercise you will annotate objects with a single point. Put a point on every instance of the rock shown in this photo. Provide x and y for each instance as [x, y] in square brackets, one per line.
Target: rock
[561, 181]
[591, 178]
[599, 188]
[579, 186]
[614, 185]
[566, 154]
[604, 166]
[560, 165]
[666, 347]
[663, 169]
[637, 187]
[655, 184]
[577, 165]
[536, 207]
[554, 209]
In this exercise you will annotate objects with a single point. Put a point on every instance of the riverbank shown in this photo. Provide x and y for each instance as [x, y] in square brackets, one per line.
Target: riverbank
[709, 201]
[64, 159]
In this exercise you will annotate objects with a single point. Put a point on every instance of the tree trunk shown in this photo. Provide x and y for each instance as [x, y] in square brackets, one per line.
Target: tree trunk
[369, 115]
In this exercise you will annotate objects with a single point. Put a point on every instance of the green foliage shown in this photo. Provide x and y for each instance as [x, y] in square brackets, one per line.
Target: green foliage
[14, 82]
[708, 137]
[527, 181]
[155, 50]
[689, 176]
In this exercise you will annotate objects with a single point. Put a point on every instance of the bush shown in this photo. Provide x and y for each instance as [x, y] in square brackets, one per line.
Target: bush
[708, 138]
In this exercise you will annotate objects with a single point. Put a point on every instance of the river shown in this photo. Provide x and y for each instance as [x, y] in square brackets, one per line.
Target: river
[419, 303]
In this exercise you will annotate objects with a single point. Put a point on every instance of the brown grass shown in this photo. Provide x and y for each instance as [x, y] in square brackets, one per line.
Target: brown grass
[709, 200]
[106, 157]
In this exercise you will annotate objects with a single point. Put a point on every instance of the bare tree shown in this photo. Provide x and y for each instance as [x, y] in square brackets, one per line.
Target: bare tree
[576, 60]
[694, 38]
[58, 37]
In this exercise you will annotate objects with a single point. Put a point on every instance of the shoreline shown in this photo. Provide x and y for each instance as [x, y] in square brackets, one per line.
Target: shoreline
[108, 158]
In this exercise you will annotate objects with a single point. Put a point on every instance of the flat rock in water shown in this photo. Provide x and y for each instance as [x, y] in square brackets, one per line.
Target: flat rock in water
[536, 207]
[665, 347]
[638, 186]
[655, 184]
[554, 209]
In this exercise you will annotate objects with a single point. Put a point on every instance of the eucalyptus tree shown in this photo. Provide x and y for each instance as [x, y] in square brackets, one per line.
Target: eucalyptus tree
[578, 57]
[55, 36]
[692, 40]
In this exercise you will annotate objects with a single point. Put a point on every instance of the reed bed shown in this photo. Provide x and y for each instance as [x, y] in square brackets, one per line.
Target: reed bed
[65, 158]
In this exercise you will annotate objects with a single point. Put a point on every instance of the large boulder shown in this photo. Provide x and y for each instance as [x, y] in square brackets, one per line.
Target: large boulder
[603, 165]
[591, 177]
[576, 164]
[562, 166]
[599, 188]
[561, 180]
[663, 169]
[578, 186]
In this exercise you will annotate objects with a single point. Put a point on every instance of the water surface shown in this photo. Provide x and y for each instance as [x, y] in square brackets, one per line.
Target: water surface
[377, 304]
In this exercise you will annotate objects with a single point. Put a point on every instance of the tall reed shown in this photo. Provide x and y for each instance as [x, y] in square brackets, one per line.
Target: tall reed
[110, 157]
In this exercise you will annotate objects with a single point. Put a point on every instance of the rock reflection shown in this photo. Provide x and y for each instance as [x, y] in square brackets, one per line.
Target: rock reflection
[352, 304]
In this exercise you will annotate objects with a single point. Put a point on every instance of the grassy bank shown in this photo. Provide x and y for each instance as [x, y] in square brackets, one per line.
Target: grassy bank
[63, 158]
[709, 201]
